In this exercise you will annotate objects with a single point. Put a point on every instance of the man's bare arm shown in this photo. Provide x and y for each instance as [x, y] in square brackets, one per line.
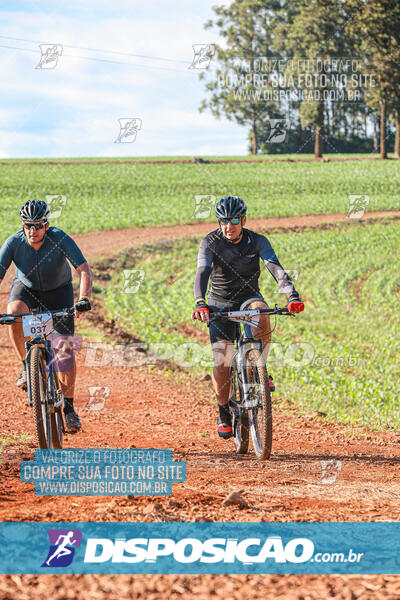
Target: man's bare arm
[85, 273]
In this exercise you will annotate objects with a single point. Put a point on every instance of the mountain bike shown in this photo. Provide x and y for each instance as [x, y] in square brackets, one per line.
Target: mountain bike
[250, 395]
[44, 388]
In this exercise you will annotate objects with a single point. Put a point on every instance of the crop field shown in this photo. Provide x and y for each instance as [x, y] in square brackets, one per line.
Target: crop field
[113, 196]
[338, 357]
[173, 158]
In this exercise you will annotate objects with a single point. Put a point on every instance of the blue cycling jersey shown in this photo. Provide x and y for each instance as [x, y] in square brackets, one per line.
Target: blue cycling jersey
[44, 269]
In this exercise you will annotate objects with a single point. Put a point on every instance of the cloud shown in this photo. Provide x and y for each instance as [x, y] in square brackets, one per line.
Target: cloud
[73, 109]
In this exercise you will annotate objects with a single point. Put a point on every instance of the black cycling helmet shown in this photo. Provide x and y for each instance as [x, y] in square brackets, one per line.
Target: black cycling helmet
[229, 207]
[34, 210]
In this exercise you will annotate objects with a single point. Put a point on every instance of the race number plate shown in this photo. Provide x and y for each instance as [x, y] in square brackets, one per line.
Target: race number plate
[244, 317]
[34, 325]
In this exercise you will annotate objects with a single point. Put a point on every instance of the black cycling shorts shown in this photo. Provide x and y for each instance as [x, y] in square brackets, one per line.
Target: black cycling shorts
[62, 297]
[227, 330]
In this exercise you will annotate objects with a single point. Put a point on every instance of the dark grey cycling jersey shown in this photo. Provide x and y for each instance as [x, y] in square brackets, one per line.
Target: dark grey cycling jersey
[235, 268]
[43, 269]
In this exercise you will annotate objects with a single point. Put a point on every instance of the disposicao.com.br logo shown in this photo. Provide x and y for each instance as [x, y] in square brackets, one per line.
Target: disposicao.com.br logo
[203, 553]
[212, 550]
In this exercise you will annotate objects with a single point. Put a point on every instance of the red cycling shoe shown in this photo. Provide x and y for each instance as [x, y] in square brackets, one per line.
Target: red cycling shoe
[225, 431]
[271, 383]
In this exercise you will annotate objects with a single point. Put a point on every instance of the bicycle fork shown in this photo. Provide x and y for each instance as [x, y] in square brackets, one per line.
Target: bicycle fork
[55, 396]
[244, 347]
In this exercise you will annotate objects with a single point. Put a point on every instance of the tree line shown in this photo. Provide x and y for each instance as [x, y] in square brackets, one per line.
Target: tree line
[324, 72]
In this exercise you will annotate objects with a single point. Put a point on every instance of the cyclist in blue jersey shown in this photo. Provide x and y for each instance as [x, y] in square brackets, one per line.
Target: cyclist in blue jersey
[43, 280]
[230, 257]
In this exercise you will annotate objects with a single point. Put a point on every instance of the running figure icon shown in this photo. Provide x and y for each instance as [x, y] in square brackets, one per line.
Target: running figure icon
[62, 546]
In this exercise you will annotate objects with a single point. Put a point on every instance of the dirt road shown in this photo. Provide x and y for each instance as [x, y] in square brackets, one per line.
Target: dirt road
[106, 242]
[158, 409]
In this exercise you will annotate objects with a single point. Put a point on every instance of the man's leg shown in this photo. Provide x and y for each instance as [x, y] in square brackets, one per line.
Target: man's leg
[21, 300]
[15, 330]
[17, 337]
[222, 352]
[68, 377]
[263, 330]
[63, 345]
[65, 366]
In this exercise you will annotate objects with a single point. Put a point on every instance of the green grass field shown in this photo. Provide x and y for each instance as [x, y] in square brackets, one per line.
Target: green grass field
[115, 196]
[339, 356]
[170, 158]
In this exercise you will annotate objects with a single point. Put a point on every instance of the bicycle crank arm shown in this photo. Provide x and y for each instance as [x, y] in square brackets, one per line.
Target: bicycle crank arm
[60, 399]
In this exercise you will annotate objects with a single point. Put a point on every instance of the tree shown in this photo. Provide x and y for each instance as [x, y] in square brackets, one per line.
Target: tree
[396, 148]
[241, 90]
[376, 25]
[315, 34]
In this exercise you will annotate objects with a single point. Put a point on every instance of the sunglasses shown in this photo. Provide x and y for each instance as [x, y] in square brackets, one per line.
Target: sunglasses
[234, 221]
[35, 226]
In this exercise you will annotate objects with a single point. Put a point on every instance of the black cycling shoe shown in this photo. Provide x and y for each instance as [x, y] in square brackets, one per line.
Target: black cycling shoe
[72, 422]
[21, 381]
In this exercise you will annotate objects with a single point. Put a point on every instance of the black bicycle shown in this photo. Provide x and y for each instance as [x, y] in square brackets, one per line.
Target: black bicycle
[250, 395]
[44, 388]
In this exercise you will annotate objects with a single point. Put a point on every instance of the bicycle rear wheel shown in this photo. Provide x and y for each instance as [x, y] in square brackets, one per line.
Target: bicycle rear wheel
[38, 387]
[240, 417]
[261, 413]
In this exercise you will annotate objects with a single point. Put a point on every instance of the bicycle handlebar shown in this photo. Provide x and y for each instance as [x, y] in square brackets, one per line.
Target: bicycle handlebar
[215, 315]
[8, 319]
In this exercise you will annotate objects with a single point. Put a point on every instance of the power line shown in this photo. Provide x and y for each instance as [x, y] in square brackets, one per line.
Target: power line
[101, 51]
[118, 62]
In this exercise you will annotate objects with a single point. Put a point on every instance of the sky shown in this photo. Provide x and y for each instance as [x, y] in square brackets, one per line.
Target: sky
[73, 108]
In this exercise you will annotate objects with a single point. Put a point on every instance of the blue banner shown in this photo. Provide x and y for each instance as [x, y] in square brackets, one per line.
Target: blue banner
[219, 548]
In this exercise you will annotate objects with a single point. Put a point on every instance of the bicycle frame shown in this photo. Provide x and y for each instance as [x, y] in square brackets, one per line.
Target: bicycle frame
[40, 340]
[250, 394]
[43, 382]
[244, 317]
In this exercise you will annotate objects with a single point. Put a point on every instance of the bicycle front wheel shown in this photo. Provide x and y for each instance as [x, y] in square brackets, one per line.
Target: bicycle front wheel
[260, 413]
[56, 418]
[240, 417]
[38, 387]
[56, 428]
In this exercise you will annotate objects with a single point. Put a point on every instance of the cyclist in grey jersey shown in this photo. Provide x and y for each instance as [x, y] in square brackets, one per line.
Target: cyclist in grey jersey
[234, 269]
[230, 258]
[43, 280]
